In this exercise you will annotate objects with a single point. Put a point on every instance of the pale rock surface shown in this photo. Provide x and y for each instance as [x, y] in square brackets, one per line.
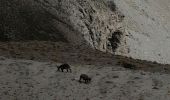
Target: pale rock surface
[143, 25]
[147, 32]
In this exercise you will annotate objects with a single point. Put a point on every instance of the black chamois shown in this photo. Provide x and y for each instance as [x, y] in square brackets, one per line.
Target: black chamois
[64, 66]
[85, 77]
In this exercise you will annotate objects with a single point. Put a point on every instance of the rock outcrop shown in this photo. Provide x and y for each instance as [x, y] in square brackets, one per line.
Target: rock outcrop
[132, 28]
[81, 22]
[147, 29]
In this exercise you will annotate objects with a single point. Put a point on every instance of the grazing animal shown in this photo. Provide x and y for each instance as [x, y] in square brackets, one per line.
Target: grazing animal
[64, 66]
[85, 77]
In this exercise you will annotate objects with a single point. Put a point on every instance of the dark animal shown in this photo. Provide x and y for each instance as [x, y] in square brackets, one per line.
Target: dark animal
[129, 66]
[85, 77]
[64, 66]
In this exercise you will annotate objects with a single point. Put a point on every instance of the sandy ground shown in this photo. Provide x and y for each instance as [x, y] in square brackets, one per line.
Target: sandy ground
[33, 80]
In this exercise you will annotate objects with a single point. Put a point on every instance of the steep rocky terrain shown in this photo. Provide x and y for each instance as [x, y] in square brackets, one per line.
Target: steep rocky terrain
[38, 35]
[147, 29]
[82, 22]
[132, 28]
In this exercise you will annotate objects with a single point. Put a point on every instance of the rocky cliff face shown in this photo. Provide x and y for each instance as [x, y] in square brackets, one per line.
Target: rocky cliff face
[133, 28]
[82, 22]
[147, 29]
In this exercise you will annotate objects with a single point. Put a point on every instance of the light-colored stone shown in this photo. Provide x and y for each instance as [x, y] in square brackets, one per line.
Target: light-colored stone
[147, 28]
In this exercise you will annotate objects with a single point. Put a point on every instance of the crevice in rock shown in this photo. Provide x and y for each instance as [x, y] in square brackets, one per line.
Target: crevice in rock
[90, 33]
[112, 6]
[115, 39]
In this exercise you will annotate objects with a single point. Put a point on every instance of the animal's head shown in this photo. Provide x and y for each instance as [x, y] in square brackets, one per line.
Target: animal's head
[89, 79]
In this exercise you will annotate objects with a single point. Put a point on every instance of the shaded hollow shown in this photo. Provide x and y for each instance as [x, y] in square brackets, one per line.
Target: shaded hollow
[115, 39]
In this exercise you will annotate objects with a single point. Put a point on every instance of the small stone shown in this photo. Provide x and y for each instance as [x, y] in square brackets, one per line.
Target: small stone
[109, 82]
[155, 88]
[115, 76]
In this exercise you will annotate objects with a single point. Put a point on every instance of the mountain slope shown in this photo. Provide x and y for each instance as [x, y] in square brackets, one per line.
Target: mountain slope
[27, 79]
[80, 22]
[147, 29]
[133, 28]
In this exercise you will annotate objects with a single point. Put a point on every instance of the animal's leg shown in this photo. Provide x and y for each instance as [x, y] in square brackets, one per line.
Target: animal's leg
[80, 79]
[58, 69]
[70, 70]
[67, 70]
[62, 70]
[85, 81]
